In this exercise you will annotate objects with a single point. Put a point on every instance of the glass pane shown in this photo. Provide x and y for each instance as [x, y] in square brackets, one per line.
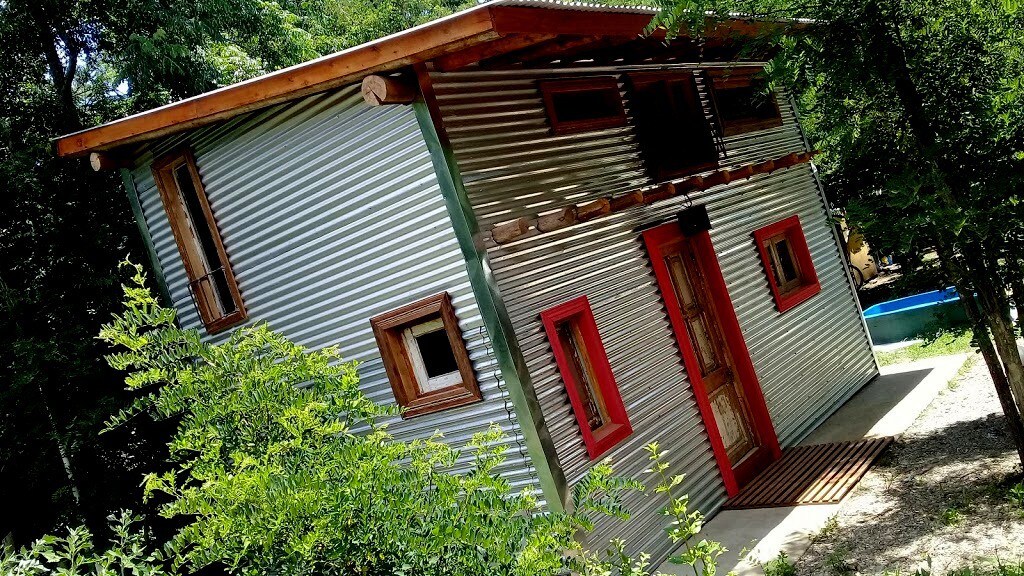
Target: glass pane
[586, 104]
[215, 274]
[581, 375]
[679, 280]
[787, 265]
[437, 353]
[703, 345]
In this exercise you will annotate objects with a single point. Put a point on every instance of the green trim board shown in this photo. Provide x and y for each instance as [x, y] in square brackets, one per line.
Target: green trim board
[495, 316]
[147, 240]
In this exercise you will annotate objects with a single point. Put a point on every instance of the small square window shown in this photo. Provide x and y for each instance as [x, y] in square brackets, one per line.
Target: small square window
[583, 104]
[588, 378]
[743, 100]
[787, 262]
[673, 131]
[425, 357]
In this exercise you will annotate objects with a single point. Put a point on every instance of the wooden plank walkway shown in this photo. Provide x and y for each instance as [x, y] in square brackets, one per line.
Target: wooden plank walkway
[815, 474]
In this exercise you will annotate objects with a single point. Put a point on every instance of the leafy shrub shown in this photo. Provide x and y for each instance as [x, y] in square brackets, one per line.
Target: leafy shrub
[76, 555]
[283, 466]
[1016, 495]
[779, 566]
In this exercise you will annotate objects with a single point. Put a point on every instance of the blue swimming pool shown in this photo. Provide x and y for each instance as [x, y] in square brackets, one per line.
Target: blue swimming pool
[912, 316]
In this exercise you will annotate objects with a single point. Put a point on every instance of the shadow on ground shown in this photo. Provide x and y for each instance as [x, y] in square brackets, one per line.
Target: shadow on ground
[924, 485]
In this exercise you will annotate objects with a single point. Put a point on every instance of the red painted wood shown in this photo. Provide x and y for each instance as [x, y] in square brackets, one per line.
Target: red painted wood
[619, 428]
[656, 239]
[809, 278]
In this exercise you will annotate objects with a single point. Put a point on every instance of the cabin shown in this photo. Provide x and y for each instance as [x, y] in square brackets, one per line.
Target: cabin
[529, 213]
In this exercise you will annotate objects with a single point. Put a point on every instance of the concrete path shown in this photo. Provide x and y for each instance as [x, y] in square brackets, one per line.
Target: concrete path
[885, 407]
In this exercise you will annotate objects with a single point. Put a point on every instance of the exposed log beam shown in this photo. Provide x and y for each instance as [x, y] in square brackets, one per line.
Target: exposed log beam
[569, 215]
[379, 90]
[105, 161]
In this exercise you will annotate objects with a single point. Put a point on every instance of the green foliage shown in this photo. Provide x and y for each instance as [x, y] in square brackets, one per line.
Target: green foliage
[76, 554]
[69, 64]
[779, 566]
[284, 467]
[1016, 495]
[701, 556]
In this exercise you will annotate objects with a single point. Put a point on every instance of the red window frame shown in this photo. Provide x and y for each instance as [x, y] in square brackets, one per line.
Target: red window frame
[794, 234]
[618, 428]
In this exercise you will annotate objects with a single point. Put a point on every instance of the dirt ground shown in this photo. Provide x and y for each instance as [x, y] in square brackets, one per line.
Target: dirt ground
[939, 493]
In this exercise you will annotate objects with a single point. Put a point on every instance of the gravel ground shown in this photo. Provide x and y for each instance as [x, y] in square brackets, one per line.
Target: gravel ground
[939, 492]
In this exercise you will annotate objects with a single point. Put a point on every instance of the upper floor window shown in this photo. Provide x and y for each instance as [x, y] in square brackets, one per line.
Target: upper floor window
[587, 375]
[674, 132]
[787, 262]
[743, 100]
[425, 356]
[581, 104]
[210, 280]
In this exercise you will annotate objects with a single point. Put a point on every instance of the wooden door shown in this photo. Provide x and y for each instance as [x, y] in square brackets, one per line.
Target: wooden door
[717, 363]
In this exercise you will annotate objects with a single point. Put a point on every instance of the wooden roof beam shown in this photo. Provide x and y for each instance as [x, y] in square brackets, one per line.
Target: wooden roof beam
[480, 52]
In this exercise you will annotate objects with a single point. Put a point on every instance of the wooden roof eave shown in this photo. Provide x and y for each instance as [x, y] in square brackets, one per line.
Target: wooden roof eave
[483, 32]
[458, 31]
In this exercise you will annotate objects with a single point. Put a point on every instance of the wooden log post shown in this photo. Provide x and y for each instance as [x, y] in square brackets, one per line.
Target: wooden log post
[380, 90]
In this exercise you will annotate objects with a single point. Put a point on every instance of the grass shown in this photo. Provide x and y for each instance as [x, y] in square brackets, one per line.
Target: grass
[944, 344]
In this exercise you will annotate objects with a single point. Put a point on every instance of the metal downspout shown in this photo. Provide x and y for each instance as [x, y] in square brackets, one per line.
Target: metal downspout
[495, 316]
[147, 239]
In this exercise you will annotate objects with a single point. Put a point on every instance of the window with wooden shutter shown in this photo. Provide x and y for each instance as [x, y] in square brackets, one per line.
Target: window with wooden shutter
[787, 262]
[425, 356]
[743, 100]
[210, 279]
[674, 134]
[583, 104]
[587, 375]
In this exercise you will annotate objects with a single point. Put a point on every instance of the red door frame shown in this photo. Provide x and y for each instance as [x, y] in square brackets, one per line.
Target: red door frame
[654, 239]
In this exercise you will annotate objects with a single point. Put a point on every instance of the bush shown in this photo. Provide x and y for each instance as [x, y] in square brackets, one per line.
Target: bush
[283, 466]
[75, 554]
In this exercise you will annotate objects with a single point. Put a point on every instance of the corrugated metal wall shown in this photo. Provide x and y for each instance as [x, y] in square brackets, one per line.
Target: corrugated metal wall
[331, 213]
[808, 360]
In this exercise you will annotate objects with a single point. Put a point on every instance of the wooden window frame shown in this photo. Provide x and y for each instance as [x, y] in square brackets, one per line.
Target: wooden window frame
[550, 88]
[787, 297]
[191, 253]
[743, 77]
[640, 80]
[388, 330]
[578, 310]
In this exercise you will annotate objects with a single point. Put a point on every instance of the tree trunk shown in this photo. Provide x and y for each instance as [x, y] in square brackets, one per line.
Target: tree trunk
[981, 337]
[979, 322]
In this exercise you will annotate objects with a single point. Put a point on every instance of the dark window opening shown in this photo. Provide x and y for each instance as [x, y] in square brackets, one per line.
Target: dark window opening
[675, 135]
[583, 104]
[581, 375]
[204, 236]
[437, 353]
[787, 262]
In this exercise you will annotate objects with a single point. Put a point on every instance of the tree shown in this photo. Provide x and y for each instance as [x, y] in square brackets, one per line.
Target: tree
[69, 64]
[916, 106]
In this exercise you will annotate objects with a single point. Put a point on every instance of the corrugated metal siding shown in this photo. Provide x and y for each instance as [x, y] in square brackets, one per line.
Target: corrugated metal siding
[807, 360]
[331, 213]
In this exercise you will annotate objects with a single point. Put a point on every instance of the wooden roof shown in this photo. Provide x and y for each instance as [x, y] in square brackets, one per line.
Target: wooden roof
[501, 32]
